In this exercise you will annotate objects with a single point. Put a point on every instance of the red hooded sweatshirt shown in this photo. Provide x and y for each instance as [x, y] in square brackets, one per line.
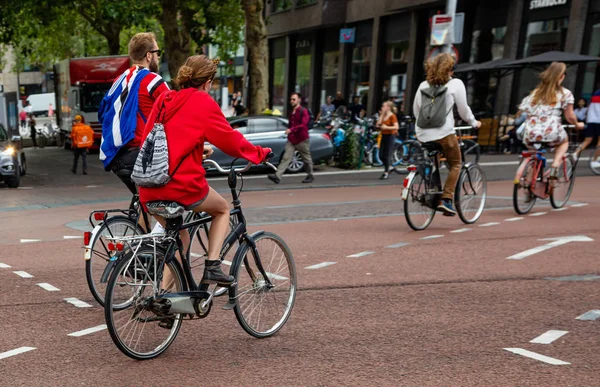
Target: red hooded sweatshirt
[192, 117]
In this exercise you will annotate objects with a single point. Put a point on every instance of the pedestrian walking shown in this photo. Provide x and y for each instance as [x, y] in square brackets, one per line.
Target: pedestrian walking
[32, 130]
[82, 138]
[432, 108]
[388, 125]
[298, 140]
[23, 118]
[592, 129]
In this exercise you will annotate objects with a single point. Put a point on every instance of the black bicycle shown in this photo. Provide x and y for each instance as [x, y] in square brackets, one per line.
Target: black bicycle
[423, 188]
[143, 318]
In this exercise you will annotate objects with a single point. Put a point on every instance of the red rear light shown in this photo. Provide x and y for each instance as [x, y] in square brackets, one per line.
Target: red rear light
[99, 216]
[406, 182]
[87, 236]
[326, 136]
[411, 168]
[119, 247]
[111, 246]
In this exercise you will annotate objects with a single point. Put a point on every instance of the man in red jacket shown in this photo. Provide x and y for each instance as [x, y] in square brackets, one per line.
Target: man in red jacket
[298, 140]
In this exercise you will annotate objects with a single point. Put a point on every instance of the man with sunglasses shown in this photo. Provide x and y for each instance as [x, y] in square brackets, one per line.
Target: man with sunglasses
[127, 105]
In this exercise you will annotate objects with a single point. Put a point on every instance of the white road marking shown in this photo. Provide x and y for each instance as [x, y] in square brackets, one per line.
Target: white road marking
[4, 266]
[579, 205]
[432, 237]
[536, 356]
[362, 254]
[14, 352]
[77, 303]
[490, 224]
[320, 265]
[548, 337]
[88, 331]
[91, 186]
[276, 276]
[48, 287]
[26, 188]
[589, 316]
[23, 274]
[560, 209]
[514, 219]
[72, 237]
[538, 214]
[226, 262]
[194, 255]
[460, 230]
[396, 245]
[555, 243]
[30, 240]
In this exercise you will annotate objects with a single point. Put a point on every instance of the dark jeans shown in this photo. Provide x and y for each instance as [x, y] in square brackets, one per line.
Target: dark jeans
[122, 166]
[387, 148]
[32, 134]
[80, 152]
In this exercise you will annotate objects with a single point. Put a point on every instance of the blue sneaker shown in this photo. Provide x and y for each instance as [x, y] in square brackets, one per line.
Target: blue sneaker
[446, 207]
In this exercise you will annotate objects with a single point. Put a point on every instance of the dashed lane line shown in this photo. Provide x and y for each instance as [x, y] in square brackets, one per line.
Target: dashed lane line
[14, 352]
[23, 274]
[431, 237]
[490, 224]
[536, 356]
[72, 237]
[549, 337]
[514, 219]
[592, 315]
[48, 287]
[361, 254]
[320, 265]
[579, 205]
[30, 240]
[538, 214]
[560, 209]
[396, 245]
[78, 303]
[88, 331]
[4, 266]
[460, 230]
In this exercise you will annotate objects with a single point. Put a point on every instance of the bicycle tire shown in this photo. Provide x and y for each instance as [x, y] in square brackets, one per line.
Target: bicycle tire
[249, 281]
[595, 168]
[471, 184]
[42, 142]
[96, 253]
[113, 316]
[569, 166]
[417, 198]
[524, 185]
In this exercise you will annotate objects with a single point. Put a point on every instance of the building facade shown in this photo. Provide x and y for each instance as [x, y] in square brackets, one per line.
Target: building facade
[384, 59]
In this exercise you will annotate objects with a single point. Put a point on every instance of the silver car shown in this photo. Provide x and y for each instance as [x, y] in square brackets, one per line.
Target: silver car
[12, 159]
[269, 131]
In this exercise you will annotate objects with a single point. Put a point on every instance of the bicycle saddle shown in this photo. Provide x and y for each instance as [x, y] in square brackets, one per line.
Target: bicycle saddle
[432, 147]
[166, 209]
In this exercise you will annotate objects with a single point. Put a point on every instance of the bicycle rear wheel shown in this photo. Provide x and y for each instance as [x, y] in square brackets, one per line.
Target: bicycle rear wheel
[260, 308]
[523, 197]
[564, 184]
[417, 209]
[471, 193]
[141, 331]
[100, 256]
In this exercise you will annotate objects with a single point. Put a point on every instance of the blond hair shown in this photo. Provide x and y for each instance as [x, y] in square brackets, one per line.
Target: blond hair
[140, 44]
[549, 86]
[196, 71]
[438, 69]
[392, 106]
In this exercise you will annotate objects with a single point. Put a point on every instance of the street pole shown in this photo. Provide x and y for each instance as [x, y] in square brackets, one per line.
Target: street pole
[450, 11]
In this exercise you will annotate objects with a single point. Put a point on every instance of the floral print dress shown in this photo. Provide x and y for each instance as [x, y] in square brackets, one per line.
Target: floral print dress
[544, 122]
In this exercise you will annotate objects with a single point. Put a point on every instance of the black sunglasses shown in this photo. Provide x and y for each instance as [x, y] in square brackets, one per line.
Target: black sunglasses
[158, 52]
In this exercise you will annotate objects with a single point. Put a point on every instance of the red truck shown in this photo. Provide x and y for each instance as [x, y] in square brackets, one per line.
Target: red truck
[80, 85]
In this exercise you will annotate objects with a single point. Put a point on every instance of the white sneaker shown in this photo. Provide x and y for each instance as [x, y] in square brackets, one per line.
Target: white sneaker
[595, 164]
[158, 229]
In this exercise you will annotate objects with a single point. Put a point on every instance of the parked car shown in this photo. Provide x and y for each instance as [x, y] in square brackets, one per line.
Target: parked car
[269, 131]
[12, 159]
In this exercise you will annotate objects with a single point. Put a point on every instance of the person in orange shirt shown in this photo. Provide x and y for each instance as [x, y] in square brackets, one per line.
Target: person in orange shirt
[82, 138]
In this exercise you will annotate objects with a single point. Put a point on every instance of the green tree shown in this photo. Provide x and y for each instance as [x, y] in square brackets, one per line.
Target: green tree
[258, 55]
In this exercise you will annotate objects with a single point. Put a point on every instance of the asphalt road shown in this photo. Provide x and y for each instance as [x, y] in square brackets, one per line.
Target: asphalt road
[378, 304]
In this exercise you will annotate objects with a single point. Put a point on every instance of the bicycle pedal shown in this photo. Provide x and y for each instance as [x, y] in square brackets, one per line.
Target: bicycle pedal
[229, 305]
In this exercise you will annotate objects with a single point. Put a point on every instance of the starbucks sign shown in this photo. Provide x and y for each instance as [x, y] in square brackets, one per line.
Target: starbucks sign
[535, 4]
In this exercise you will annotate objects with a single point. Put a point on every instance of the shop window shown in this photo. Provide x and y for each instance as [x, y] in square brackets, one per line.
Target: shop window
[281, 5]
[300, 3]
[359, 73]
[394, 71]
[591, 76]
[329, 75]
[303, 77]
[278, 97]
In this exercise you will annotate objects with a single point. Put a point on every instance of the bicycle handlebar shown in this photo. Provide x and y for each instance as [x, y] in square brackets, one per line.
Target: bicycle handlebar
[237, 170]
[459, 128]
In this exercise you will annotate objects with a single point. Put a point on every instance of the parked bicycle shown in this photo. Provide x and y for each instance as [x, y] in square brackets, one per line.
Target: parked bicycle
[531, 180]
[143, 318]
[423, 188]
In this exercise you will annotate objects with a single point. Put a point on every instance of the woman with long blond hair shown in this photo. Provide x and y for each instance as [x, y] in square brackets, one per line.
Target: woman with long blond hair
[544, 107]
[388, 125]
[439, 77]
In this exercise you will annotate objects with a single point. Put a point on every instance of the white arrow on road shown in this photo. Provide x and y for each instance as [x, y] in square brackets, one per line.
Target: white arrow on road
[555, 243]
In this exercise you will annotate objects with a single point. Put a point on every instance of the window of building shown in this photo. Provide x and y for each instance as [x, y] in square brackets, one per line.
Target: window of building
[278, 98]
[281, 5]
[394, 71]
[303, 67]
[300, 3]
[591, 76]
[359, 73]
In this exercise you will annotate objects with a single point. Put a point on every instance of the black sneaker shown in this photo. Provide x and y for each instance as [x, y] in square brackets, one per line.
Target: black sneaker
[309, 179]
[446, 207]
[214, 275]
[273, 178]
[74, 171]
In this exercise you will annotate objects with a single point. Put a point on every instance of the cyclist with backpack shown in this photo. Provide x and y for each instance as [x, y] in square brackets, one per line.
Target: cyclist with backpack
[432, 108]
[82, 138]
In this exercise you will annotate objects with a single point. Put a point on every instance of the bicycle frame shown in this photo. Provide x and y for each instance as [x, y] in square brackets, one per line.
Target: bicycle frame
[538, 188]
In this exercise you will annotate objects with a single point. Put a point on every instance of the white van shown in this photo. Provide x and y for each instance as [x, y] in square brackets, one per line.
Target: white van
[40, 103]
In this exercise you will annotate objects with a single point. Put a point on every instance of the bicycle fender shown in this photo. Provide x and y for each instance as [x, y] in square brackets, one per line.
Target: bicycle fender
[407, 181]
[88, 249]
[521, 169]
[107, 271]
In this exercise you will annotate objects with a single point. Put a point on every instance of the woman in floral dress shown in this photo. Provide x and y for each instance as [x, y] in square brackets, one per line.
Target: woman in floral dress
[544, 107]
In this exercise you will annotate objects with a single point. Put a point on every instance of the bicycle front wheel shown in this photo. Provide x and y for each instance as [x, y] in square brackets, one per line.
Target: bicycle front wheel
[523, 197]
[143, 330]
[417, 209]
[262, 307]
[472, 152]
[471, 193]
[564, 184]
[100, 256]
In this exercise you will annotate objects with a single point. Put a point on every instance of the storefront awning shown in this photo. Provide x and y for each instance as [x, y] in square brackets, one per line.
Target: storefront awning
[497, 64]
[549, 57]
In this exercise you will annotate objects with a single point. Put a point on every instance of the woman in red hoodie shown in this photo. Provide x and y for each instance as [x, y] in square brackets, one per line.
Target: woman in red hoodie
[191, 117]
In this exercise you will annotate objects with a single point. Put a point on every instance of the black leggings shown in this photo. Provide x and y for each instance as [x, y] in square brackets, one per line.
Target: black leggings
[386, 150]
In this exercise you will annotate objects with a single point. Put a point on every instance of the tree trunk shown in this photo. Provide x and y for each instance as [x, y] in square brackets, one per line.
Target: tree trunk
[177, 37]
[114, 43]
[258, 56]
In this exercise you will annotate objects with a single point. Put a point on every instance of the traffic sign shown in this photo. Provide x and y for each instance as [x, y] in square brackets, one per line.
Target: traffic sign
[442, 30]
